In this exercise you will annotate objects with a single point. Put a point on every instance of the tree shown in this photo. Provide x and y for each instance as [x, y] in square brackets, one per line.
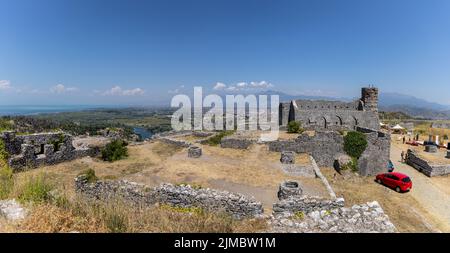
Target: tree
[114, 151]
[355, 143]
[294, 127]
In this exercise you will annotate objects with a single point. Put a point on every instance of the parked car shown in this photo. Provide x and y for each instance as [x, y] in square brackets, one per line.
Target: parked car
[398, 181]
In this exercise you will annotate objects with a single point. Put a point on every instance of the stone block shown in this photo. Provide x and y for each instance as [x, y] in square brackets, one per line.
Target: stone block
[431, 148]
[289, 189]
[194, 152]
[287, 157]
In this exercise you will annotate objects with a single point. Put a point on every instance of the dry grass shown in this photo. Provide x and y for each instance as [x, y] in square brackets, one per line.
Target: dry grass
[403, 210]
[94, 217]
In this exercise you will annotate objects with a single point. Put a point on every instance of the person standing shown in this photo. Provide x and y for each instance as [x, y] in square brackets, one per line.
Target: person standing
[403, 156]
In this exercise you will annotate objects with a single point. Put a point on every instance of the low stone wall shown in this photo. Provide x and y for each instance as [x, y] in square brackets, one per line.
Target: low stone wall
[440, 125]
[183, 195]
[235, 142]
[178, 143]
[425, 166]
[30, 151]
[306, 204]
[364, 218]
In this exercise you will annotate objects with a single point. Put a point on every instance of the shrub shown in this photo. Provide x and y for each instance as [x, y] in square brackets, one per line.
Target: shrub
[294, 127]
[6, 181]
[6, 173]
[90, 176]
[116, 222]
[216, 139]
[36, 189]
[355, 143]
[114, 151]
[352, 165]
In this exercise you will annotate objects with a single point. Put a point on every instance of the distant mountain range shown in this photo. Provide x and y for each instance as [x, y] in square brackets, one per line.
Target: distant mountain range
[390, 102]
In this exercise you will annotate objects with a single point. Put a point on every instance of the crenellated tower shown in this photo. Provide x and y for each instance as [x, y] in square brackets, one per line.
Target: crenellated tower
[369, 96]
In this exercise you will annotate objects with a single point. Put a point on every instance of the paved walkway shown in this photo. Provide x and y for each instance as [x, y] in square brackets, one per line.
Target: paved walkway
[424, 191]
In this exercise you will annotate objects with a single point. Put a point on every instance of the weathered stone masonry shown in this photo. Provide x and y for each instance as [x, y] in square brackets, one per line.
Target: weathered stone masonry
[177, 195]
[326, 146]
[333, 115]
[425, 166]
[29, 151]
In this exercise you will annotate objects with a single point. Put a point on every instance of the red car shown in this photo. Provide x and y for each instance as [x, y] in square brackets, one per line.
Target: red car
[398, 181]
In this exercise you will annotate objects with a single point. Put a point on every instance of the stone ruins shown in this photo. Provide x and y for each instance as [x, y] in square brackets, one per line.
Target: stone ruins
[333, 115]
[30, 151]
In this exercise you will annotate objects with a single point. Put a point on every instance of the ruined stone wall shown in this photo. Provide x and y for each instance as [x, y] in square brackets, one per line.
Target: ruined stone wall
[326, 146]
[440, 125]
[177, 195]
[425, 166]
[376, 157]
[283, 113]
[236, 142]
[333, 115]
[178, 143]
[364, 218]
[306, 204]
[323, 146]
[337, 119]
[30, 151]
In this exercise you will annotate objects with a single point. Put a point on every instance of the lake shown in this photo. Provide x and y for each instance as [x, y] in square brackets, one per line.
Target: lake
[142, 132]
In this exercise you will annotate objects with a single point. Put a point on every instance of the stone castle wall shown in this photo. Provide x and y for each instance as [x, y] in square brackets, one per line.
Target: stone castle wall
[326, 146]
[30, 151]
[425, 166]
[237, 205]
[333, 115]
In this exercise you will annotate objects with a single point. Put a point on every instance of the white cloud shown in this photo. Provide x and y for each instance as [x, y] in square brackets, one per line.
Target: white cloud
[5, 85]
[118, 91]
[177, 90]
[60, 88]
[243, 86]
[219, 86]
[134, 92]
[262, 85]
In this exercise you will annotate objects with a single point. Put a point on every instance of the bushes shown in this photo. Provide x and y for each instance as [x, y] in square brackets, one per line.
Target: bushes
[90, 176]
[6, 173]
[6, 181]
[114, 151]
[355, 143]
[216, 139]
[351, 165]
[294, 127]
[36, 189]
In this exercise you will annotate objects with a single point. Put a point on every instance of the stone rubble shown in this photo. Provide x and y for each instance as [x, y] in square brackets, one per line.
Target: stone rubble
[12, 210]
[364, 218]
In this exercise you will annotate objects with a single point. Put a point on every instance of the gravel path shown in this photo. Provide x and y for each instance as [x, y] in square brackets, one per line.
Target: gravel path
[433, 199]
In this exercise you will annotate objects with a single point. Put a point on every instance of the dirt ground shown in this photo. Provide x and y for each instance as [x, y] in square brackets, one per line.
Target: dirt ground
[405, 212]
[254, 172]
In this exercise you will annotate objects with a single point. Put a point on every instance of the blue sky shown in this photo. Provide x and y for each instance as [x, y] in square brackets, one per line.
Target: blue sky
[142, 52]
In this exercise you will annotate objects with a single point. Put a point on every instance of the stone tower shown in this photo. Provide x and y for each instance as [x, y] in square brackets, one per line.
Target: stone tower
[369, 96]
